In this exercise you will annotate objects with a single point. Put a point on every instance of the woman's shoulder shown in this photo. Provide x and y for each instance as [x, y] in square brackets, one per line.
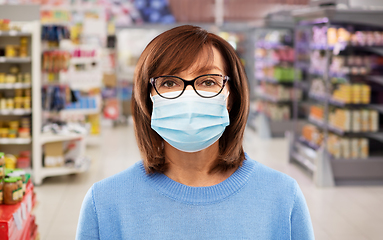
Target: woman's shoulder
[268, 178]
[128, 177]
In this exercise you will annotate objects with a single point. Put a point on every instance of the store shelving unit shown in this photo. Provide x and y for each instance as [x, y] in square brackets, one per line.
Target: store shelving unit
[31, 64]
[328, 169]
[267, 124]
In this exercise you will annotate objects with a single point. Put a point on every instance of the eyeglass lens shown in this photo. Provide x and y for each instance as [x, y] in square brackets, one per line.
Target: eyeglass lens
[206, 86]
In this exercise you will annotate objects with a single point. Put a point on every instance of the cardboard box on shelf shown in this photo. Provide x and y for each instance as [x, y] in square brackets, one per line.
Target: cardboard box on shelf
[109, 80]
[54, 154]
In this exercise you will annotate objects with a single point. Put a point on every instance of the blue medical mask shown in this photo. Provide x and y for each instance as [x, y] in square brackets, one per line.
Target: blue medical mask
[190, 123]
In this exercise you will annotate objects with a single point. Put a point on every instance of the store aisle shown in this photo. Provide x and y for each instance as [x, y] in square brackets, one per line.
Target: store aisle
[337, 213]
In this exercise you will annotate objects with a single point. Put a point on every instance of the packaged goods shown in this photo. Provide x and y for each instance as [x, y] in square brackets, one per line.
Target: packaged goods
[374, 121]
[10, 103]
[10, 191]
[365, 117]
[345, 148]
[356, 121]
[27, 78]
[10, 161]
[355, 148]
[2, 77]
[24, 133]
[363, 145]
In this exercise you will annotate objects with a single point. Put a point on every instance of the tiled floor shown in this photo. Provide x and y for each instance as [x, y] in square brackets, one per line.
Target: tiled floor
[337, 213]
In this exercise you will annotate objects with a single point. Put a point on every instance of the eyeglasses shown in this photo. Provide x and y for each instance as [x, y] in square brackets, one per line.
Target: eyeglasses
[206, 86]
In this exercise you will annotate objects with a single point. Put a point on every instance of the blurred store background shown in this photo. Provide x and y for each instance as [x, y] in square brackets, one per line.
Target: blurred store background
[315, 72]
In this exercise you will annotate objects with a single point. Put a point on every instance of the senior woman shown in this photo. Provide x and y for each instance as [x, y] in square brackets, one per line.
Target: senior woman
[190, 104]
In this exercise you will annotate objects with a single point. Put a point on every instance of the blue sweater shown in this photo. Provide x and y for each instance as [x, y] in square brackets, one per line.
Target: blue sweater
[255, 202]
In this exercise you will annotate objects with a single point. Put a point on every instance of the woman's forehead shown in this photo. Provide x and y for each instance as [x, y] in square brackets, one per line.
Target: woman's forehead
[207, 63]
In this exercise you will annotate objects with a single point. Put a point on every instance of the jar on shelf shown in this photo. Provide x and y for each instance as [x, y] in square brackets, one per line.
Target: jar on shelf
[10, 103]
[12, 133]
[18, 102]
[14, 124]
[27, 92]
[14, 70]
[18, 92]
[23, 51]
[19, 78]
[3, 132]
[27, 102]
[10, 162]
[19, 182]
[21, 173]
[3, 103]
[11, 51]
[25, 123]
[10, 78]
[24, 133]
[27, 78]
[10, 191]
[2, 77]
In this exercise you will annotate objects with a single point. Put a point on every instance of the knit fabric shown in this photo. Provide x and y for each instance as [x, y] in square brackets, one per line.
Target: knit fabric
[255, 202]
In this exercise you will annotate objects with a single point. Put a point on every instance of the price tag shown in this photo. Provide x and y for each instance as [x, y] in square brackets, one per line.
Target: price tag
[18, 220]
[24, 211]
[2, 59]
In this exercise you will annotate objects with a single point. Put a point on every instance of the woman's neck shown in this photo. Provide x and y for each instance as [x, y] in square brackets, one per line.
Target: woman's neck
[193, 169]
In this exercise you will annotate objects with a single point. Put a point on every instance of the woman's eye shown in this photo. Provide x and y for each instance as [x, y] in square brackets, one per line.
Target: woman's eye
[208, 83]
[169, 84]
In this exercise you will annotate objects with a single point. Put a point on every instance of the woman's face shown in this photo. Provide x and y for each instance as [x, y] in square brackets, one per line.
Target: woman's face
[217, 67]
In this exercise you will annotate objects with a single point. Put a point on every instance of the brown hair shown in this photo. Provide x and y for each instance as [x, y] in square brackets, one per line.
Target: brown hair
[175, 51]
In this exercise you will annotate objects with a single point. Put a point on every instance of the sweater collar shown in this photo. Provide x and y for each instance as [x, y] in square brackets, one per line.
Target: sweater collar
[201, 195]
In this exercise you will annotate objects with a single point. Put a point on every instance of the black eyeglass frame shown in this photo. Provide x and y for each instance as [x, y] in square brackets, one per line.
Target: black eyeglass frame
[190, 82]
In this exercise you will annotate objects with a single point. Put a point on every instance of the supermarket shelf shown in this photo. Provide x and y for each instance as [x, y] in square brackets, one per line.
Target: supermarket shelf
[304, 161]
[376, 135]
[269, 61]
[338, 103]
[49, 137]
[308, 143]
[84, 60]
[270, 98]
[270, 45]
[13, 33]
[15, 112]
[58, 171]
[365, 171]
[275, 81]
[17, 141]
[15, 60]
[83, 111]
[375, 79]
[15, 85]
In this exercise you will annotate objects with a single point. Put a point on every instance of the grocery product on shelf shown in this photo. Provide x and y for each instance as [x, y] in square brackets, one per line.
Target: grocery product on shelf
[339, 35]
[55, 61]
[11, 194]
[14, 129]
[274, 112]
[343, 93]
[338, 147]
[352, 93]
[347, 120]
[279, 92]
